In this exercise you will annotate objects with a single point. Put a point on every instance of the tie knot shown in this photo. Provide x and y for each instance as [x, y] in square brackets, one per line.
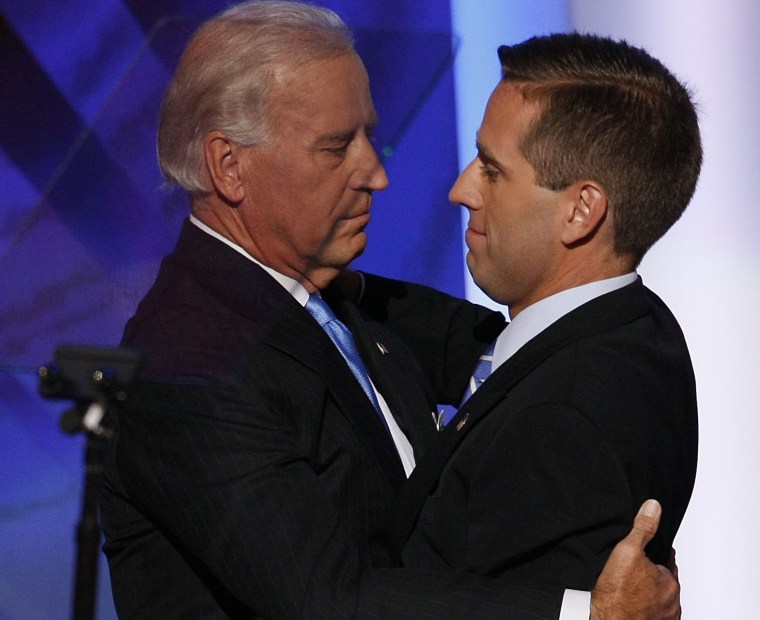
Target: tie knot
[318, 308]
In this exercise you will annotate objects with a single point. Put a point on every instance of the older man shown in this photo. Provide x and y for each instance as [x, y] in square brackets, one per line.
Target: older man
[258, 459]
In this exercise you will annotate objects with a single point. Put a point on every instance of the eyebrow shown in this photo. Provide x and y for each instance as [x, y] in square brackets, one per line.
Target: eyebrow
[336, 138]
[345, 136]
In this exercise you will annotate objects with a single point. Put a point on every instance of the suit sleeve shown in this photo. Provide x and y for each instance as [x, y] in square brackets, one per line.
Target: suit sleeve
[549, 500]
[445, 334]
[562, 471]
[252, 512]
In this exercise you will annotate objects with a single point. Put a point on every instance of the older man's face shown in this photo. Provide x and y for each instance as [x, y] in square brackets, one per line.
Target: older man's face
[310, 188]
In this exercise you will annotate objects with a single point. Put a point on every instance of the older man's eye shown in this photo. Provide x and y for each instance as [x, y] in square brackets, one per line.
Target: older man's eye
[338, 150]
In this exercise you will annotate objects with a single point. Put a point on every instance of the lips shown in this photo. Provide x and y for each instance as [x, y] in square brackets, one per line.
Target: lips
[474, 231]
[473, 237]
[357, 221]
[363, 215]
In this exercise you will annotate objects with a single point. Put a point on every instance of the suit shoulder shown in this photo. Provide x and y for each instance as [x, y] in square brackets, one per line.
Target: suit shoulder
[185, 331]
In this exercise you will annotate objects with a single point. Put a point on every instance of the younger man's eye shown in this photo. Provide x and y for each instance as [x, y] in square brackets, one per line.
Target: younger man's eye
[490, 173]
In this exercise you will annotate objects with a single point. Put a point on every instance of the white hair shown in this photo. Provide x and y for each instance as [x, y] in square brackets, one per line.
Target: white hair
[225, 76]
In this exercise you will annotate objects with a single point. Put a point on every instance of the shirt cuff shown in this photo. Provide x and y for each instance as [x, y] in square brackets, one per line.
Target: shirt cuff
[576, 605]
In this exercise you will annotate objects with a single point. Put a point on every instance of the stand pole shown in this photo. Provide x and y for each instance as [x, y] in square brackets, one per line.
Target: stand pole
[88, 532]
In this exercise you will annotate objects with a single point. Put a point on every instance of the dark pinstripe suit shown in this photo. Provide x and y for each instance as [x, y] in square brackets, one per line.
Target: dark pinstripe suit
[251, 475]
[541, 472]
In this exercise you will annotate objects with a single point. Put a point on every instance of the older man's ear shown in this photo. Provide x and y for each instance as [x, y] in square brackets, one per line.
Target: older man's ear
[224, 165]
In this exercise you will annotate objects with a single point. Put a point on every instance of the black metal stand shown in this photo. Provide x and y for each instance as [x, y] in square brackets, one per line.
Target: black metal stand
[96, 378]
[88, 531]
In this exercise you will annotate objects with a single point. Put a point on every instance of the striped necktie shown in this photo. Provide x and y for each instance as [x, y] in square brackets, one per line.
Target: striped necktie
[480, 373]
[344, 340]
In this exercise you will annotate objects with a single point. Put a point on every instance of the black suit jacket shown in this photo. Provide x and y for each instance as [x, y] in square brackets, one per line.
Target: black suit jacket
[250, 475]
[540, 473]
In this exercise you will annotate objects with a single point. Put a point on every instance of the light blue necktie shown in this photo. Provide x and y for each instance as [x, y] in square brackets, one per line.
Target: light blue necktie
[480, 373]
[344, 340]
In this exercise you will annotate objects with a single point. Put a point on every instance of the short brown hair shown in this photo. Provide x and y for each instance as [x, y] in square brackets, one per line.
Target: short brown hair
[610, 112]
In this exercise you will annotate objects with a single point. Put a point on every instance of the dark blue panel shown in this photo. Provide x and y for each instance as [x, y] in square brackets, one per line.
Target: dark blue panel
[39, 125]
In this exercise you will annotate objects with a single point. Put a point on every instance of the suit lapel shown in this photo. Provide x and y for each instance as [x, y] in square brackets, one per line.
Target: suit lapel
[298, 335]
[410, 405]
[597, 316]
[248, 290]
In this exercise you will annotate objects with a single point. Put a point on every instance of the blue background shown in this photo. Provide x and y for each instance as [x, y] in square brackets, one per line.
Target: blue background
[84, 220]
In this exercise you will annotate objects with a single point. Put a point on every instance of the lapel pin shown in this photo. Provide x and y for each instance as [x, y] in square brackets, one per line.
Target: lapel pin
[382, 347]
[463, 421]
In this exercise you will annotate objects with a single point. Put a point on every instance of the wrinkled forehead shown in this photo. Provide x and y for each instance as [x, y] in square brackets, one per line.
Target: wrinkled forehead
[324, 94]
[338, 81]
[295, 72]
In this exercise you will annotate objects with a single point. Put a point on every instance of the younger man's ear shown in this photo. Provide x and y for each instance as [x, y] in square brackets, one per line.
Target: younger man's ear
[586, 212]
[224, 166]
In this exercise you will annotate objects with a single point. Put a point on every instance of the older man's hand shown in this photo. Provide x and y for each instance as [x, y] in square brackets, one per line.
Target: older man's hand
[631, 586]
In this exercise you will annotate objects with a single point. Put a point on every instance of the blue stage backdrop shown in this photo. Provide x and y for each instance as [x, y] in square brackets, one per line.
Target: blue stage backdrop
[84, 220]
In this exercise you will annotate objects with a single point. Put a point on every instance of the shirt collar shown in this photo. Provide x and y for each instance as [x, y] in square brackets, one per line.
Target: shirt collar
[540, 315]
[295, 288]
